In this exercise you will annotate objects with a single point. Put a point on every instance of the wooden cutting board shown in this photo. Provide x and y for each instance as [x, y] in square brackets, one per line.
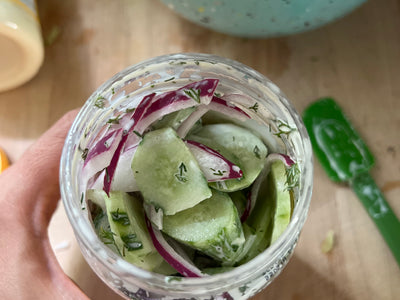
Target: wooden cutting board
[355, 60]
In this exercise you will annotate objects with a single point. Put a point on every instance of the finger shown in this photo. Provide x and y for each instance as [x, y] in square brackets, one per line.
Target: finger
[32, 183]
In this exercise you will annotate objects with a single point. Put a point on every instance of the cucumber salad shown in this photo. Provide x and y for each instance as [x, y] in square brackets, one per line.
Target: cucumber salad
[178, 184]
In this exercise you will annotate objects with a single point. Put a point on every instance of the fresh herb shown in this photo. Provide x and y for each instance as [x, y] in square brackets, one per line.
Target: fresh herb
[107, 237]
[114, 120]
[85, 153]
[153, 85]
[254, 107]
[97, 220]
[113, 91]
[243, 289]
[170, 79]
[173, 278]
[177, 63]
[82, 197]
[130, 242]
[138, 134]
[196, 62]
[181, 176]
[99, 103]
[120, 217]
[217, 173]
[194, 94]
[129, 110]
[217, 95]
[256, 152]
[293, 177]
[284, 129]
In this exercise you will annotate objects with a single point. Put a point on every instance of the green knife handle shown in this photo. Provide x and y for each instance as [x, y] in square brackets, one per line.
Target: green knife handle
[379, 210]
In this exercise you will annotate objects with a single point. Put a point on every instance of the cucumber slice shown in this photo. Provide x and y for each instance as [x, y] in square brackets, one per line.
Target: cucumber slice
[126, 218]
[240, 201]
[238, 145]
[174, 119]
[212, 227]
[250, 240]
[217, 270]
[167, 174]
[283, 201]
[272, 211]
[103, 230]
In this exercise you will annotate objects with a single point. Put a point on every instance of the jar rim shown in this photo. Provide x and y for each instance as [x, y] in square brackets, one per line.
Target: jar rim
[83, 229]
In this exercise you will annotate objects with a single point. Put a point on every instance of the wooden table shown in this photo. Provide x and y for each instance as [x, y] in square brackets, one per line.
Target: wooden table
[356, 60]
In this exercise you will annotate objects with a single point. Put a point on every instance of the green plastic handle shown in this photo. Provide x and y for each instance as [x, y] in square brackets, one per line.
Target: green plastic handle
[379, 210]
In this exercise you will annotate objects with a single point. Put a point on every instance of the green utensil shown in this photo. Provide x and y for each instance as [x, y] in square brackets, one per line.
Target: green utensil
[346, 158]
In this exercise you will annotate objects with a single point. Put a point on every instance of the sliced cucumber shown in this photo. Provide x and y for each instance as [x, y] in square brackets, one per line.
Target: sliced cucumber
[250, 240]
[272, 210]
[167, 174]
[126, 218]
[238, 145]
[97, 197]
[174, 119]
[240, 201]
[212, 227]
[217, 270]
[283, 206]
[103, 230]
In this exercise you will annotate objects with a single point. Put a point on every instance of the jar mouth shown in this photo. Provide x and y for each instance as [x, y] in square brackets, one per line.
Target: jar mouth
[88, 239]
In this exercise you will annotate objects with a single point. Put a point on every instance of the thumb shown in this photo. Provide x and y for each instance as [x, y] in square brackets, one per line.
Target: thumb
[32, 183]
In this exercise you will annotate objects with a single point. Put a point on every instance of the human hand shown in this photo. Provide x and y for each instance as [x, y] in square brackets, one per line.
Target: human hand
[28, 197]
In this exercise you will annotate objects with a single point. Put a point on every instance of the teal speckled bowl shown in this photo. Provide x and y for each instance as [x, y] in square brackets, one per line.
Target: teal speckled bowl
[262, 18]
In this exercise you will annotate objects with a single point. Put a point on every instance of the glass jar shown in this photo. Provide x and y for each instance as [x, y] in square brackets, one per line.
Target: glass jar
[166, 73]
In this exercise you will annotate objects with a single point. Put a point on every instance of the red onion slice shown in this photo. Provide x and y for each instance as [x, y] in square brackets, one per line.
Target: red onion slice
[100, 155]
[183, 266]
[193, 94]
[124, 179]
[228, 108]
[110, 170]
[188, 124]
[214, 166]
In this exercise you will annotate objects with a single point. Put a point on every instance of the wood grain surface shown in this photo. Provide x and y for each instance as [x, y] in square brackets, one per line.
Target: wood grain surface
[356, 60]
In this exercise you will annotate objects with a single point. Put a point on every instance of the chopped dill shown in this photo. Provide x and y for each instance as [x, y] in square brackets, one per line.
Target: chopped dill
[284, 129]
[120, 217]
[85, 153]
[138, 134]
[256, 152]
[217, 172]
[130, 242]
[292, 177]
[129, 110]
[194, 94]
[181, 176]
[114, 120]
[254, 107]
[99, 103]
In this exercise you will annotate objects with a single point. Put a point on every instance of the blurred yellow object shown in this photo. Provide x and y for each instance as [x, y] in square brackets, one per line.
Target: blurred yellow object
[4, 163]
